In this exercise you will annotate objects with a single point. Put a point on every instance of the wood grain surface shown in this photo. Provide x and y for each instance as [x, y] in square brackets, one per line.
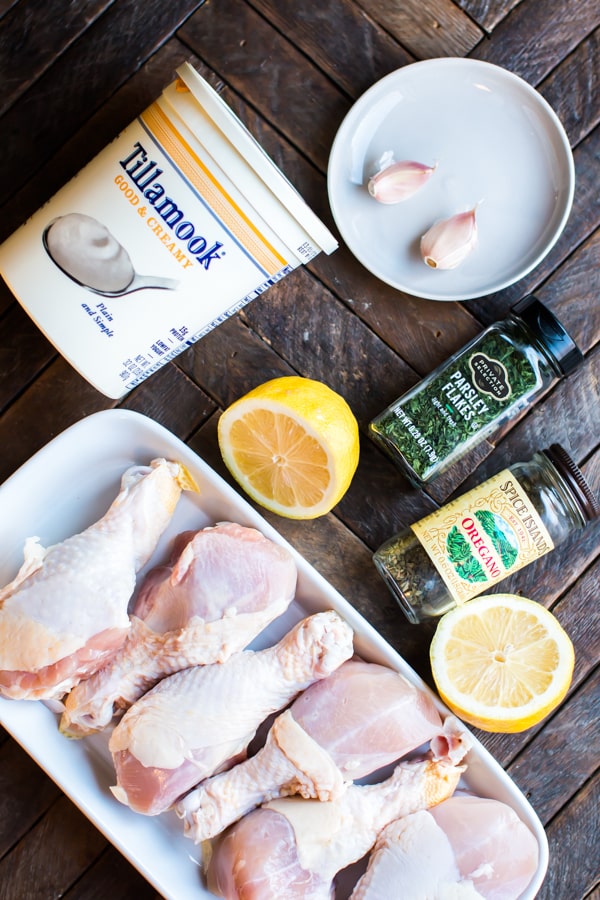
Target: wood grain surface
[73, 76]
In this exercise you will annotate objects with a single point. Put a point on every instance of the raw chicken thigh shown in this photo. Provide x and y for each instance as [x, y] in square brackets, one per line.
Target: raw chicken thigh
[364, 716]
[491, 845]
[413, 858]
[224, 584]
[294, 847]
[201, 720]
[467, 847]
[65, 613]
[224, 570]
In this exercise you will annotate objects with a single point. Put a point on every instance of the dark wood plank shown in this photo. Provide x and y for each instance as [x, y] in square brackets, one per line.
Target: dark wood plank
[60, 397]
[80, 81]
[566, 294]
[289, 92]
[230, 360]
[173, 400]
[424, 333]
[24, 353]
[327, 31]
[6, 5]
[427, 27]
[572, 89]
[111, 876]
[57, 849]
[121, 108]
[33, 35]
[6, 298]
[535, 771]
[572, 837]
[536, 37]
[487, 13]
[26, 794]
[327, 342]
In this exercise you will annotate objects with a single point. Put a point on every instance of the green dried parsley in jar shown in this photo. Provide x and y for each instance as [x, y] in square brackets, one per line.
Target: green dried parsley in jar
[491, 380]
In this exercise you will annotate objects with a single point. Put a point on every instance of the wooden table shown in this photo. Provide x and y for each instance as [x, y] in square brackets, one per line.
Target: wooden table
[73, 75]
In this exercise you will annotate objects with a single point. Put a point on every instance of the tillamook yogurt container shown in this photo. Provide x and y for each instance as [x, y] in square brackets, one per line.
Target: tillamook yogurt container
[176, 225]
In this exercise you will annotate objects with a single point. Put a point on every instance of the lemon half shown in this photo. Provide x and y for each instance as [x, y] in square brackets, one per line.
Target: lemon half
[501, 662]
[292, 444]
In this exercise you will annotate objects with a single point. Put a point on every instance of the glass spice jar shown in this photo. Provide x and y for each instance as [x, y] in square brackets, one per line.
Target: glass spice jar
[476, 540]
[487, 383]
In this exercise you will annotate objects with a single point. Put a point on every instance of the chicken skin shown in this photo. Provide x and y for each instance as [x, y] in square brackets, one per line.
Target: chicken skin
[293, 848]
[65, 614]
[222, 586]
[201, 720]
[467, 847]
[361, 718]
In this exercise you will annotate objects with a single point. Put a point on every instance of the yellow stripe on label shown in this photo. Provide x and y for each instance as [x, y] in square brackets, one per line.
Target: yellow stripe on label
[211, 190]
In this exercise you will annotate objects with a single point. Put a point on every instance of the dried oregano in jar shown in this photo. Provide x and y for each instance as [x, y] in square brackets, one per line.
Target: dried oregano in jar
[476, 540]
[481, 387]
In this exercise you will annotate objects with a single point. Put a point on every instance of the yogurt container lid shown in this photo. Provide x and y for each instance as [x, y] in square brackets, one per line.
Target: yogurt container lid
[238, 135]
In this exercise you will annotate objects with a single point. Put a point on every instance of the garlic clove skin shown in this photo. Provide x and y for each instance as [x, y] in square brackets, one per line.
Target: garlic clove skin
[449, 241]
[399, 181]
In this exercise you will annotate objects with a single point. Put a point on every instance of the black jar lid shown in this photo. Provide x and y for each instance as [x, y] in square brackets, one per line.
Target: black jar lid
[573, 476]
[550, 332]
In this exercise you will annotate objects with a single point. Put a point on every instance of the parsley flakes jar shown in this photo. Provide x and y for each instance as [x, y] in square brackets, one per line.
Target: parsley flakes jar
[487, 383]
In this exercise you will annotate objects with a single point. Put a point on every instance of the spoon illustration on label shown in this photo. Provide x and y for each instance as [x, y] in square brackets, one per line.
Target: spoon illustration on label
[85, 250]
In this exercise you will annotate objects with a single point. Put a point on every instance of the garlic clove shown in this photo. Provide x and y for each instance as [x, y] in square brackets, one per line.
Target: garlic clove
[449, 241]
[398, 181]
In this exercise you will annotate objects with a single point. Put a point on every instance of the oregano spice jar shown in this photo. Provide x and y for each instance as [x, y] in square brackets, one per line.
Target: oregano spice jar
[476, 540]
[487, 383]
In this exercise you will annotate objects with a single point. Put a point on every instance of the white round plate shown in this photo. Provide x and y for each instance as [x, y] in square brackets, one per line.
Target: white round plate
[497, 144]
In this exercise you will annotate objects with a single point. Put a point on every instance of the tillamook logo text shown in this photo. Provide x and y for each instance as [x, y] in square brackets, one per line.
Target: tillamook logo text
[144, 174]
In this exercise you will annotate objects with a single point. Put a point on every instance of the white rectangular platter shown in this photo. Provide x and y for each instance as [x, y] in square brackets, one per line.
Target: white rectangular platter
[60, 491]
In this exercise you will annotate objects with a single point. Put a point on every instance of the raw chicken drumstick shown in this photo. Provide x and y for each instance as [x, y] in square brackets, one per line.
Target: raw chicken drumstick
[294, 847]
[361, 718]
[224, 584]
[65, 613]
[467, 847]
[201, 720]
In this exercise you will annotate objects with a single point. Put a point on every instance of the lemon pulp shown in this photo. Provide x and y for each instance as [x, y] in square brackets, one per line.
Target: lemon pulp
[292, 444]
[501, 662]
